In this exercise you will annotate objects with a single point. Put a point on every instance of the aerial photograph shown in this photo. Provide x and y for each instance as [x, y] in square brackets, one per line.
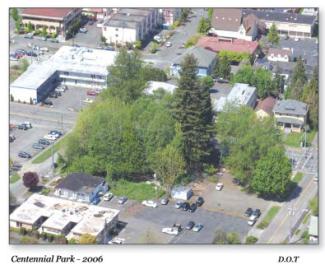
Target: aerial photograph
[163, 126]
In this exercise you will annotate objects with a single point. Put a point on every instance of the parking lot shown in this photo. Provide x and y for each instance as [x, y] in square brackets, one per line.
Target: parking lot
[61, 116]
[222, 210]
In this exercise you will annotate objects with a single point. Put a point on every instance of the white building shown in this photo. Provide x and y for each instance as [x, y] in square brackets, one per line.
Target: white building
[63, 217]
[181, 193]
[279, 55]
[73, 66]
[240, 95]
[155, 85]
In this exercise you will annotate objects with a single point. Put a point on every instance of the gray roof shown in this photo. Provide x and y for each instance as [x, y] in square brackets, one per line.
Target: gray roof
[135, 11]
[131, 18]
[281, 16]
[204, 57]
[289, 120]
[291, 107]
[121, 24]
[80, 182]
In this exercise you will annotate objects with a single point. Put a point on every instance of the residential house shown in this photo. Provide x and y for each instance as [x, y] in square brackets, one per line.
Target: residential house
[169, 16]
[58, 216]
[81, 187]
[264, 107]
[288, 24]
[206, 61]
[217, 44]
[240, 95]
[55, 20]
[230, 23]
[290, 115]
[279, 55]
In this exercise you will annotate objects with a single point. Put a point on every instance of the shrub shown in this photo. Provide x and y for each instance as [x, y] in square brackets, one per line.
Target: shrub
[30, 179]
[251, 240]
[192, 40]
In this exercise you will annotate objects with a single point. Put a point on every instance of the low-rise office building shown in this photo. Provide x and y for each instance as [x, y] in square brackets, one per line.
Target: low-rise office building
[290, 115]
[54, 20]
[64, 217]
[72, 66]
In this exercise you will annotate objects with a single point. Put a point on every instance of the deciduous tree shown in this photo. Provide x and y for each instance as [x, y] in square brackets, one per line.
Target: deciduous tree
[273, 35]
[30, 179]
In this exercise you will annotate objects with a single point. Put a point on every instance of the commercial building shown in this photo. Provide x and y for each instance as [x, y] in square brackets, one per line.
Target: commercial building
[129, 25]
[63, 217]
[240, 95]
[55, 20]
[288, 24]
[73, 66]
[290, 115]
[230, 23]
[216, 44]
[206, 61]
[81, 187]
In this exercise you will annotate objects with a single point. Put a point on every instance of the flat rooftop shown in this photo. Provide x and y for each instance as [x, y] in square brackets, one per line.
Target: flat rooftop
[155, 85]
[88, 218]
[67, 59]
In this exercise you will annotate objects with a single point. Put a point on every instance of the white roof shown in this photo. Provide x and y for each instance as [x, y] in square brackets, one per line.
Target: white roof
[313, 226]
[66, 59]
[89, 218]
[155, 85]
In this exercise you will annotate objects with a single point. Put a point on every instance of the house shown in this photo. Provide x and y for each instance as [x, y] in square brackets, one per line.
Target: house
[288, 24]
[206, 61]
[313, 229]
[72, 66]
[58, 216]
[290, 115]
[129, 25]
[169, 16]
[181, 193]
[264, 107]
[217, 44]
[155, 85]
[230, 23]
[279, 55]
[81, 187]
[240, 95]
[54, 20]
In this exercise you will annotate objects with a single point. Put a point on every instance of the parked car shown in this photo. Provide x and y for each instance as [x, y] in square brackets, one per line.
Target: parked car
[28, 124]
[22, 127]
[56, 132]
[168, 44]
[248, 212]
[185, 206]
[44, 142]
[16, 167]
[170, 230]
[29, 35]
[251, 222]
[178, 204]
[44, 49]
[38, 146]
[23, 154]
[197, 228]
[108, 196]
[116, 241]
[61, 88]
[92, 92]
[31, 54]
[47, 102]
[50, 137]
[192, 208]
[95, 201]
[164, 201]
[122, 200]
[199, 201]
[53, 94]
[11, 138]
[83, 30]
[256, 213]
[190, 225]
[150, 203]
[88, 100]
[219, 186]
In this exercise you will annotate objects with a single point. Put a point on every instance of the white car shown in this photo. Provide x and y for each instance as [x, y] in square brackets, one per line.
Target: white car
[251, 222]
[168, 44]
[61, 89]
[51, 137]
[108, 196]
[28, 124]
[219, 186]
[88, 100]
[44, 49]
[116, 241]
[170, 230]
[150, 204]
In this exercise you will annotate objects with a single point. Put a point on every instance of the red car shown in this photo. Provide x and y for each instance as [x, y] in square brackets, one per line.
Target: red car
[92, 93]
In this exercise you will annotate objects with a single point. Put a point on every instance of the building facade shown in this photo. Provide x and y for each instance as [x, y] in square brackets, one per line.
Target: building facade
[169, 16]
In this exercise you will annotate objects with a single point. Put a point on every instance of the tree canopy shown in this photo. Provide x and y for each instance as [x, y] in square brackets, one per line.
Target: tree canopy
[273, 36]
[30, 179]
[298, 81]
[204, 25]
[223, 68]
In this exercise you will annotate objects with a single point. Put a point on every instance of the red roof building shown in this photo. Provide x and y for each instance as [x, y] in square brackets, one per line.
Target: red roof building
[216, 44]
[48, 13]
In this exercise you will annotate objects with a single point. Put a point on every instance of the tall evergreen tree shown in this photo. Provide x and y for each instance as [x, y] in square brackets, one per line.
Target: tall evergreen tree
[298, 81]
[273, 35]
[194, 113]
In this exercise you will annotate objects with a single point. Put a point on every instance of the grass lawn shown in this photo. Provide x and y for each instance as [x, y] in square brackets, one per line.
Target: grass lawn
[294, 139]
[48, 152]
[14, 178]
[268, 217]
[298, 177]
[138, 191]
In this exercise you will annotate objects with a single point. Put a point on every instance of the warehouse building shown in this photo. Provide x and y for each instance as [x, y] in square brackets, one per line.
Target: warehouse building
[72, 66]
[63, 217]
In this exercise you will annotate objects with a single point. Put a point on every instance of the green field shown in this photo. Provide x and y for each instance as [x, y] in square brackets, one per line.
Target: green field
[138, 191]
[48, 152]
[294, 139]
[269, 217]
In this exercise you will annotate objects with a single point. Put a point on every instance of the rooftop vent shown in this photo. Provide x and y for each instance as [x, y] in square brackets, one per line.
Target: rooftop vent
[39, 204]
